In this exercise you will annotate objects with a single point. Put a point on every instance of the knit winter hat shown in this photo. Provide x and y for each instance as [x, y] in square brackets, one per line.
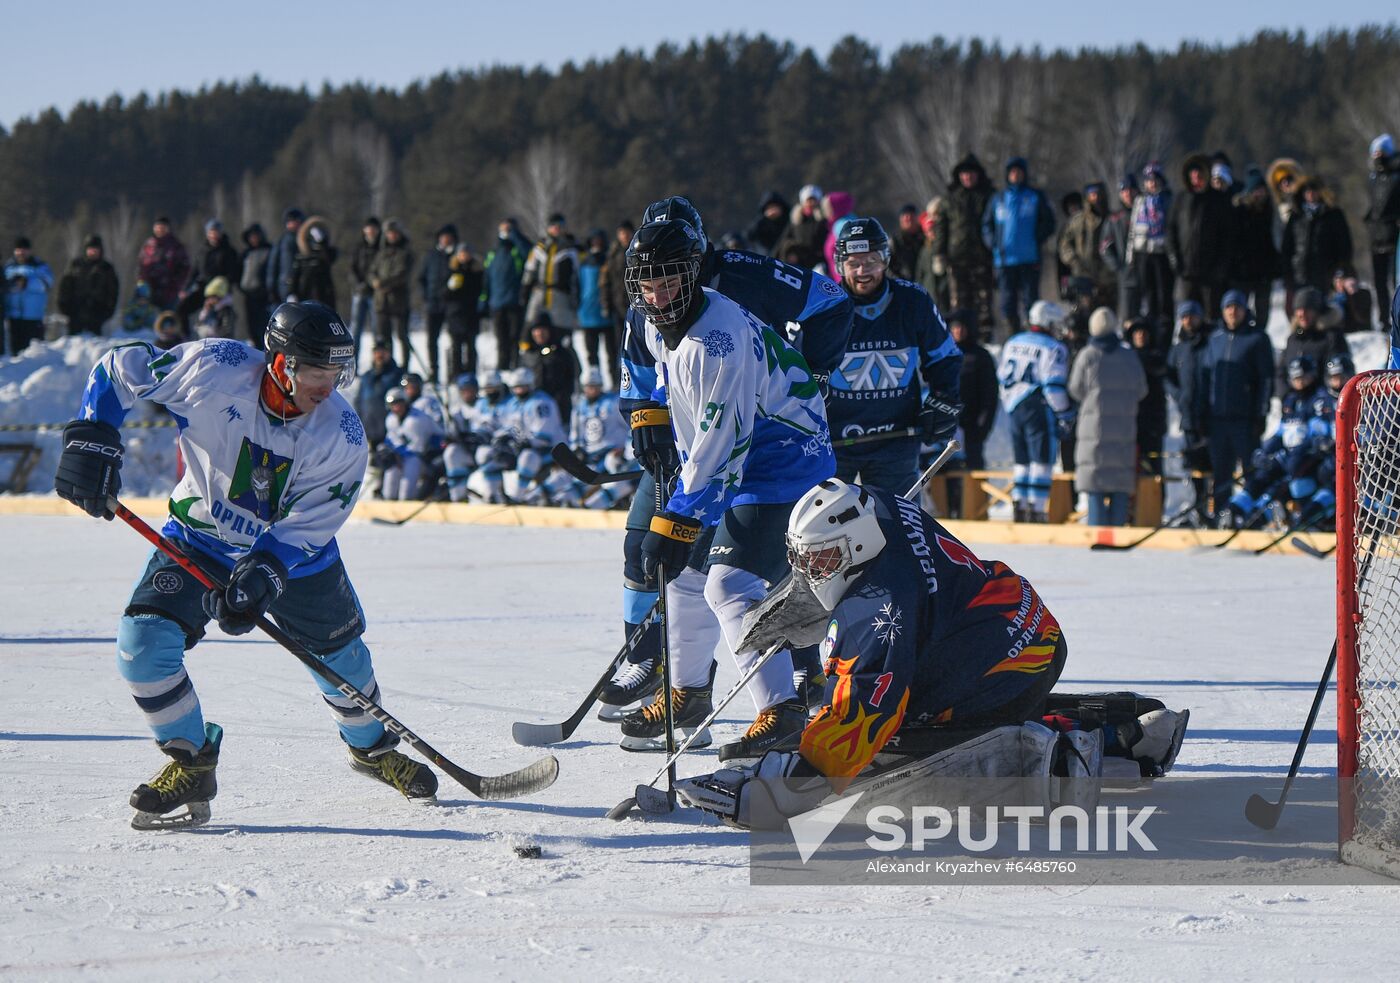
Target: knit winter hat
[1234, 298]
[213, 225]
[1188, 308]
[1103, 323]
[809, 191]
[1222, 172]
[92, 242]
[1383, 146]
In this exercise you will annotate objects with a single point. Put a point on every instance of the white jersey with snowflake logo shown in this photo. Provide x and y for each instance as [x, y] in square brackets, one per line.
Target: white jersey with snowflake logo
[748, 416]
[252, 480]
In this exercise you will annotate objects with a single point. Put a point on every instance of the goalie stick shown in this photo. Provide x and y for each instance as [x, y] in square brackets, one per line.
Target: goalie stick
[652, 800]
[531, 778]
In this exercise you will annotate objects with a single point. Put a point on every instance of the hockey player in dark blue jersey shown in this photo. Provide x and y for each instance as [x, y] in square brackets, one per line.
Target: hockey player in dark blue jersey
[925, 641]
[1295, 464]
[898, 341]
[785, 298]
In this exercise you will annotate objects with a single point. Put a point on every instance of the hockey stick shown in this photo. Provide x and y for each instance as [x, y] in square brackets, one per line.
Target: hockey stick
[1259, 810]
[565, 457]
[1294, 530]
[870, 438]
[435, 498]
[647, 797]
[1177, 517]
[1302, 546]
[538, 735]
[651, 799]
[531, 778]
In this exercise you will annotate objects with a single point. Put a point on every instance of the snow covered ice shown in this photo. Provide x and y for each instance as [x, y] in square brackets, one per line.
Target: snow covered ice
[307, 869]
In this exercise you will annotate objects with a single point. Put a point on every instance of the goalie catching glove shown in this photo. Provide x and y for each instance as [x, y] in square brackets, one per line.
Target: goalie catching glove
[90, 466]
[255, 584]
[668, 543]
[653, 443]
[762, 796]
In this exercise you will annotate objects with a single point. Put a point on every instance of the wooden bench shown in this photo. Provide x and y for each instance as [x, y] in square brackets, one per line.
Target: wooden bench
[980, 488]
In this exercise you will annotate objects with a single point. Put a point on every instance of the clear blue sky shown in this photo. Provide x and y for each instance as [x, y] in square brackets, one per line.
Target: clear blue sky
[56, 55]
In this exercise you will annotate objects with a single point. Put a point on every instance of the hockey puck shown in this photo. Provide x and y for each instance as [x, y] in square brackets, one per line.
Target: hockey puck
[530, 852]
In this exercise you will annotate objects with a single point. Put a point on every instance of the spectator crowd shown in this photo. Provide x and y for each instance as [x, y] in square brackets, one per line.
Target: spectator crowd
[1157, 286]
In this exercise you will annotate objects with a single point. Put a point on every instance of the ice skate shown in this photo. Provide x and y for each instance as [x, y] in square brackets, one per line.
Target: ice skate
[633, 685]
[645, 729]
[780, 726]
[384, 764]
[186, 784]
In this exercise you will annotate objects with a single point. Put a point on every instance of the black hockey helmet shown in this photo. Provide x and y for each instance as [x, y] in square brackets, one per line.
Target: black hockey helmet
[861, 235]
[677, 207]
[1342, 365]
[309, 333]
[1301, 367]
[660, 251]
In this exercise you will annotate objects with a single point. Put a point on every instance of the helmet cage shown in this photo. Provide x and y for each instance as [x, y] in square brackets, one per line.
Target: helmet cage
[674, 310]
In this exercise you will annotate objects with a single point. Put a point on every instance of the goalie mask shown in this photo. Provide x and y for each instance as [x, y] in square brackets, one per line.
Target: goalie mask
[663, 265]
[832, 533]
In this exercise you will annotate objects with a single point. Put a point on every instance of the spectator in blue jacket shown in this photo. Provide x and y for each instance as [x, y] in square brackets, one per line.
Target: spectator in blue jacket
[1018, 219]
[27, 282]
[281, 261]
[1236, 383]
[593, 325]
[500, 296]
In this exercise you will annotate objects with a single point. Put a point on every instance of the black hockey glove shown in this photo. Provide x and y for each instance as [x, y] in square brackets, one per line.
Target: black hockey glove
[668, 543]
[90, 466]
[653, 443]
[1064, 424]
[256, 582]
[385, 457]
[938, 418]
[762, 796]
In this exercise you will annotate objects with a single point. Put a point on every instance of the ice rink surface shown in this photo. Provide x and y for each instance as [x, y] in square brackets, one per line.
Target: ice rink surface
[309, 872]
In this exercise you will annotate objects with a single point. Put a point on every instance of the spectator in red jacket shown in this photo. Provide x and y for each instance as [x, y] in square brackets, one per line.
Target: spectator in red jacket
[165, 264]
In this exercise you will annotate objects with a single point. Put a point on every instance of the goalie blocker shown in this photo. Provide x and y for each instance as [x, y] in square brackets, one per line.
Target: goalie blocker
[938, 662]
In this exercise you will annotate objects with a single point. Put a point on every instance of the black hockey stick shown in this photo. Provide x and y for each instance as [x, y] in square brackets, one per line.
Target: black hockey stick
[431, 500]
[538, 735]
[870, 438]
[1303, 546]
[1294, 530]
[565, 457]
[531, 778]
[1259, 810]
[1194, 506]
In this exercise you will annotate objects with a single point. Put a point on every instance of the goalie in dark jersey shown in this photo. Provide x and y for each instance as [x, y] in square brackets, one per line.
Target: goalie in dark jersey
[924, 639]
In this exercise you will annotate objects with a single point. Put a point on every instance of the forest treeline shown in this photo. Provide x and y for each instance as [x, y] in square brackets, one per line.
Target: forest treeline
[721, 120]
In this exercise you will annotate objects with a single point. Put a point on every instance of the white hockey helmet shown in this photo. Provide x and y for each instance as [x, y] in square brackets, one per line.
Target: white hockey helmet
[396, 395]
[1046, 315]
[592, 376]
[491, 379]
[523, 377]
[832, 532]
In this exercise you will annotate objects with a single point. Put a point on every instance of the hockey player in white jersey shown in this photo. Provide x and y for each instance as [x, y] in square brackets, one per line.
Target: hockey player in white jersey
[1033, 372]
[744, 418]
[469, 430]
[274, 460]
[527, 428]
[424, 402]
[598, 433]
[411, 439]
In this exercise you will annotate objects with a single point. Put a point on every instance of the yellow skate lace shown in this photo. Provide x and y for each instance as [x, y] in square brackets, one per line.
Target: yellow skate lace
[175, 778]
[398, 769]
[767, 720]
[657, 710]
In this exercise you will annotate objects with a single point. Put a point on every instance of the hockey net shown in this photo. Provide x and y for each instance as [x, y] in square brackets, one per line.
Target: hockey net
[1368, 622]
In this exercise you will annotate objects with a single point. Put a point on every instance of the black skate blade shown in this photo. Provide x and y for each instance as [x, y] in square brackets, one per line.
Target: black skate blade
[536, 735]
[194, 814]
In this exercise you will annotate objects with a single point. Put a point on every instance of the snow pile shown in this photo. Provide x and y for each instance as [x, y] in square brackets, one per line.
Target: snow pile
[40, 391]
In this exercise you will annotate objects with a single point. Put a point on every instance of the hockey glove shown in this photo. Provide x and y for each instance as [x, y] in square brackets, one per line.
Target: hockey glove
[385, 457]
[90, 466]
[668, 543]
[938, 418]
[1064, 424]
[761, 796]
[255, 584]
[653, 443]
